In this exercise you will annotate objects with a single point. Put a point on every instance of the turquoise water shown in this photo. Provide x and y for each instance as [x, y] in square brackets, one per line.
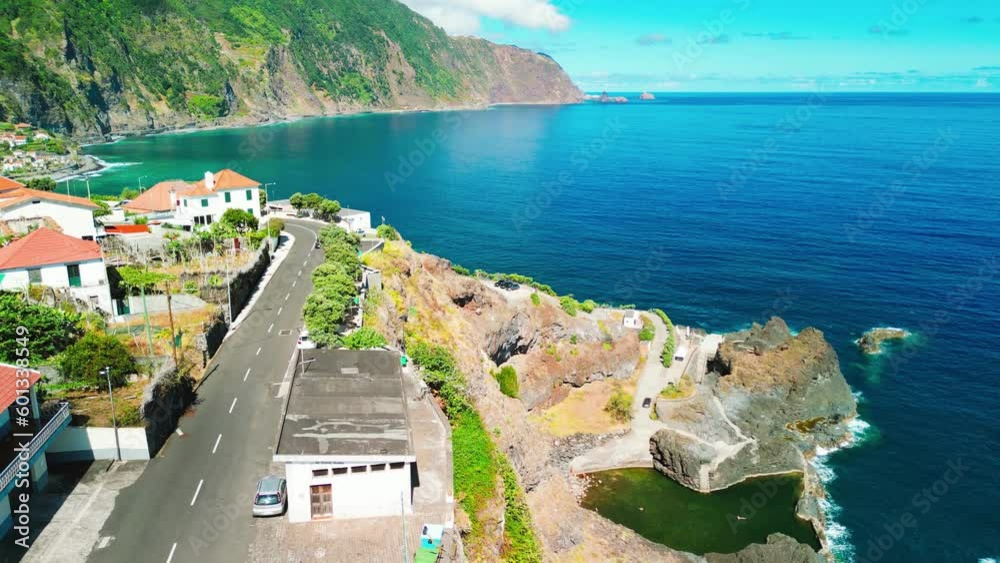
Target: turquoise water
[722, 209]
[723, 522]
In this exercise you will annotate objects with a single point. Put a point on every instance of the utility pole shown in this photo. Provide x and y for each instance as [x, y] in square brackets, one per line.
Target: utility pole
[402, 507]
[173, 338]
[114, 420]
[140, 182]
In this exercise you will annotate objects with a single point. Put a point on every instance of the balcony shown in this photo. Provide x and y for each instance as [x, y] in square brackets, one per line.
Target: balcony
[52, 421]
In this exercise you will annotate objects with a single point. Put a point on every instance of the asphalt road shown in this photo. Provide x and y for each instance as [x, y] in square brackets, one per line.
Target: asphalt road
[192, 503]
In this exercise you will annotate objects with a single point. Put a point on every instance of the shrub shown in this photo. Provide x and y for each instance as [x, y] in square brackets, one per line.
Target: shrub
[239, 220]
[569, 305]
[44, 184]
[647, 334]
[588, 306]
[507, 378]
[140, 220]
[129, 193]
[84, 360]
[535, 299]
[520, 543]
[49, 330]
[364, 338]
[460, 270]
[274, 226]
[130, 417]
[207, 106]
[387, 232]
[619, 406]
[667, 357]
[574, 339]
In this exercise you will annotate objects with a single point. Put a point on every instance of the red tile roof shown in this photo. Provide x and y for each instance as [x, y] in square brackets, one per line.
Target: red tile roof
[45, 246]
[158, 197]
[225, 179]
[12, 195]
[8, 383]
[8, 184]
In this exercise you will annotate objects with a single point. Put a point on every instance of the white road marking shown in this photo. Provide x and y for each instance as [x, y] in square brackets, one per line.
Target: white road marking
[287, 296]
[246, 375]
[179, 431]
[232, 405]
[216, 446]
[171, 556]
[259, 349]
[270, 328]
[295, 282]
[195, 497]
[280, 309]
[300, 272]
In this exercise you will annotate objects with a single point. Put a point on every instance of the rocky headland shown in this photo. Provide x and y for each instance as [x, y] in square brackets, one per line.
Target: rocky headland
[871, 341]
[768, 401]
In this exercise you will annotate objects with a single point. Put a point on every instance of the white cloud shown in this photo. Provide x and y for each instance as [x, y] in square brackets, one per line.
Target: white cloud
[983, 83]
[462, 17]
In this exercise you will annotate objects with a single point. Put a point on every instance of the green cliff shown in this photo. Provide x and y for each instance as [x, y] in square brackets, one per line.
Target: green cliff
[90, 68]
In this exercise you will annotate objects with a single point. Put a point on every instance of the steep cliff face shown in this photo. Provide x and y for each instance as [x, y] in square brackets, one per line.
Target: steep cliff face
[90, 69]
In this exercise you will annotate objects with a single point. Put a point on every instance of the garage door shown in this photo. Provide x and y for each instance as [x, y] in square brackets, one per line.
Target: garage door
[321, 501]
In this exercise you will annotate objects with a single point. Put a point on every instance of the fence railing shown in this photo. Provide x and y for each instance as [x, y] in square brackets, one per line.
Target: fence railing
[36, 444]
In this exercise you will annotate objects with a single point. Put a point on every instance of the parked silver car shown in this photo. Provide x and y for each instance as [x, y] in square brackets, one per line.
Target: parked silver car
[271, 498]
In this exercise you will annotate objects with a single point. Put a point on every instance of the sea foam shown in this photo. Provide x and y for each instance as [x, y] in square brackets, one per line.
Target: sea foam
[838, 536]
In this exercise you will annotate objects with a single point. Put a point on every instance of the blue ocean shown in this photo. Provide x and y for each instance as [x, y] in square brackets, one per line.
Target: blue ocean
[839, 211]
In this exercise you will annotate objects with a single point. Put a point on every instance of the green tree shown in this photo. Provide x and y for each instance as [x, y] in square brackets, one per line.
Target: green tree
[240, 220]
[47, 331]
[45, 184]
[387, 232]
[143, 280]
[297, 201]
[84, 360]
[364, 338]
[129, 193]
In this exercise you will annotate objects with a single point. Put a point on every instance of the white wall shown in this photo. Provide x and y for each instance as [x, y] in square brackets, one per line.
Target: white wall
[217, 204]
[75, 443]
[355, 495]
[75, 221]
[93, 276]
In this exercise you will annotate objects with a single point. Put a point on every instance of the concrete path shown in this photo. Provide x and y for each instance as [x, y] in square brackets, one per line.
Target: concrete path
[632, 449]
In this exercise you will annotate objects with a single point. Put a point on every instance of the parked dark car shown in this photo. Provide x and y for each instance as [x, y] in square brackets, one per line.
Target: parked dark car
[646, 402]
[508, 285]
[318, 244]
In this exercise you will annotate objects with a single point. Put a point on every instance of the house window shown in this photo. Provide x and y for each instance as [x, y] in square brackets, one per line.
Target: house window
[339, 470]
[204, 202]
[250, 210]
[320, 472]
[379, 467]
[229, 197]
[35, 275]
[397, 465]
[185, 203]
[359, 469]
[73, 271]
[249, 195]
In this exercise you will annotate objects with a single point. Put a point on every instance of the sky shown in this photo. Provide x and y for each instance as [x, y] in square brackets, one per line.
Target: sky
[746, 45]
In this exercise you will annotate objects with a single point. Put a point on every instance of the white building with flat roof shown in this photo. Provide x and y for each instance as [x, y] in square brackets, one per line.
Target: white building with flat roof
[345, 438]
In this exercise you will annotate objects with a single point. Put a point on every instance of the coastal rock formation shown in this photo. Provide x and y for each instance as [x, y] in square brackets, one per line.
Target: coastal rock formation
[778, 549]
[871, 341]
[128, 67]
[771, 398]
[485, 327]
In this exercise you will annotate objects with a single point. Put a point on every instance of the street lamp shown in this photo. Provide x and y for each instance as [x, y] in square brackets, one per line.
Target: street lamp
[87, 180]
[114, 421]
[267, 195]
[140, 182]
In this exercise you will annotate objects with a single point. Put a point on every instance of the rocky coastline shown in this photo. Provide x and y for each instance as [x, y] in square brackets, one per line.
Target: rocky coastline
[768, 402]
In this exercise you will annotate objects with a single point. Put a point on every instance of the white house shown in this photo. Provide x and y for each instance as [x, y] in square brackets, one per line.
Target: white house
[74, 215]
[345, 437]
[632, 320]
[206, 200]
[356, 220]
[55, 260]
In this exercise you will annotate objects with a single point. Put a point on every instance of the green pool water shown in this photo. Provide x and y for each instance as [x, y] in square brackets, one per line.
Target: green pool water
[670, 514]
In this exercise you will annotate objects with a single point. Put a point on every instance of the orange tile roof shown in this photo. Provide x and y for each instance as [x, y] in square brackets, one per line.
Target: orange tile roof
[225, 179]
[158, 197]
[45, 246]
[13, 196]
[8, 383]
[8, 184]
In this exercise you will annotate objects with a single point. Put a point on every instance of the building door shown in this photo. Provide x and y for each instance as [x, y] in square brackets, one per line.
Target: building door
[73, 272]
[321, 501]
